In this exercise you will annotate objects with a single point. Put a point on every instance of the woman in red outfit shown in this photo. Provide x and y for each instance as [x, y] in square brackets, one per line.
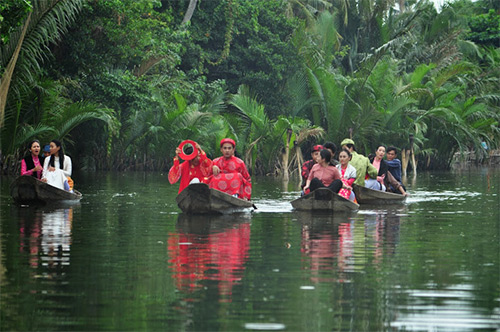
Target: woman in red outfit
[198, 168]
[32, 164]
[230, 173]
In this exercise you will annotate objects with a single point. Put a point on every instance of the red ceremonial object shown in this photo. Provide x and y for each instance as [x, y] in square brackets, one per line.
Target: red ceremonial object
[192, 155]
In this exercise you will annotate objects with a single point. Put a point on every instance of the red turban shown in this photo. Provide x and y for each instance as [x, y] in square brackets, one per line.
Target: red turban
[228, 140]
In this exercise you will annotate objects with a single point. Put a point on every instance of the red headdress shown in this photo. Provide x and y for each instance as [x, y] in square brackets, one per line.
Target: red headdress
[228, 140]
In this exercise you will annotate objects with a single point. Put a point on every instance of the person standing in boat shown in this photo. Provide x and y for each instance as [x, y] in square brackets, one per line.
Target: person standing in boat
[308, 165]
[195, 170]
[347, 173]
[324, 175]
[230, 174]
[364, 169]
[57, 168]
[31, 165]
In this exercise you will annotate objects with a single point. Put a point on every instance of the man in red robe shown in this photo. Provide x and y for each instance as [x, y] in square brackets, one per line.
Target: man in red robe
[199, 168]
[230, 173]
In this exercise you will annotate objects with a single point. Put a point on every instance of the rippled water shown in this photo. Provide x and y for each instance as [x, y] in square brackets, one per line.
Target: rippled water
[125, 258]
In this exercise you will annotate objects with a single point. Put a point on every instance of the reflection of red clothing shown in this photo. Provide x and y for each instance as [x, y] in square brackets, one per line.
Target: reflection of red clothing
[233, 177]
[218, 256]
[186, 172]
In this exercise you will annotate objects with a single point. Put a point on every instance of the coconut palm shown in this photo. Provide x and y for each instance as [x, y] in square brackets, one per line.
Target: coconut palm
[20, 59]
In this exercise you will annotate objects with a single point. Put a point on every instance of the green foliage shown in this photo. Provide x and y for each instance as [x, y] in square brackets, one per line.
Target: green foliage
[485, 29]
[12, 15]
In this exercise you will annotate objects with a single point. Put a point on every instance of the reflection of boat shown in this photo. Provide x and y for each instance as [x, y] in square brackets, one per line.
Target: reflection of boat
[323, 199]
[199, 198]
[370, 196]
[26, 189]
[205, 249]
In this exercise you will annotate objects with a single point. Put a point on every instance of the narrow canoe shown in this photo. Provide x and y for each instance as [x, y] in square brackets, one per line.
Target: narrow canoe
[323, 199]
[198, 198]
[28, 189]
[376, 197]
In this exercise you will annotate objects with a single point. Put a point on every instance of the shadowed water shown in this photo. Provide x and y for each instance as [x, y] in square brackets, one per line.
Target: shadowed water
[125, 258]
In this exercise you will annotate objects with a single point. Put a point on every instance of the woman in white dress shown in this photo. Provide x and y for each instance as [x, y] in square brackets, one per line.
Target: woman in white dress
[57, 168]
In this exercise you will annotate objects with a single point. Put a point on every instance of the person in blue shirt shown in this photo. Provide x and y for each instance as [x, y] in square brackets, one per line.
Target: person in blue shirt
[394, 165]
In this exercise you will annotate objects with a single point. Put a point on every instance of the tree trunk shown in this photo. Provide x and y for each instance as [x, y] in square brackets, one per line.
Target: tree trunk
[189, 11]
[405, 158]
[7, 76]
[286, 176]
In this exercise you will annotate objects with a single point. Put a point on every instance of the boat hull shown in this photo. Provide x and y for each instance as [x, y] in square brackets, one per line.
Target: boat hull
[376, 197]
[28, 189]
[323, 199]
[198, 198]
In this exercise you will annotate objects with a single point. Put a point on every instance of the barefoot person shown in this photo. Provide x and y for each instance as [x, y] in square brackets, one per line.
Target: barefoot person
[195, 170]
[230, 175]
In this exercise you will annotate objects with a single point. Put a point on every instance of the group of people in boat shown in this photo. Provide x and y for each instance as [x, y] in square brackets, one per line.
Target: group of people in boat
[226, 173]
[53, 167]
[373, 172]
[229, 173]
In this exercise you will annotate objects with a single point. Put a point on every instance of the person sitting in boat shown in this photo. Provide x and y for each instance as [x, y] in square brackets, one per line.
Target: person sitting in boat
[364, 169]
[347, 173]
[378, 162]
[230, 174]
[46, 151]
[324, 175]
[32, 165]
[308, 165]
[57, 168]
[394, 170]
[195, 170]
[330, 146]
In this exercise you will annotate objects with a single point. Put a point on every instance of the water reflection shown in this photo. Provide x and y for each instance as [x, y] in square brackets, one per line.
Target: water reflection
[213, 248]
[338, 246]
[46, 235]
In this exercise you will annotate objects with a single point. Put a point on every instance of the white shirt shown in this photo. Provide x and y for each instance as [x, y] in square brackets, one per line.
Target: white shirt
[67, 169]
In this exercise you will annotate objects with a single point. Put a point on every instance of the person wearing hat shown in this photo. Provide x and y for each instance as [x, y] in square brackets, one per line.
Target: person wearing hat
[195, 170]
[308, 165]
[230, 174]
[364, 169]
[46, 151]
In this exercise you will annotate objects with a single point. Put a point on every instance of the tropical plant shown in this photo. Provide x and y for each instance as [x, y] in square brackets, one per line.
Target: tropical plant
[26, 50]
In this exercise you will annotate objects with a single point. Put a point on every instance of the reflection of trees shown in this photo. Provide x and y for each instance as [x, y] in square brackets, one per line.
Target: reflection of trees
[208, 248]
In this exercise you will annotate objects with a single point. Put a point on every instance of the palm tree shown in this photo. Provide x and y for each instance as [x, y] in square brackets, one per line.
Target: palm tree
[21, 57]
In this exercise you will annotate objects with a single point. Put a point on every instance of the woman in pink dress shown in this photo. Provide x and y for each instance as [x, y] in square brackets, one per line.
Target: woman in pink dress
[323, 175]
[348, 174]
[32, 165]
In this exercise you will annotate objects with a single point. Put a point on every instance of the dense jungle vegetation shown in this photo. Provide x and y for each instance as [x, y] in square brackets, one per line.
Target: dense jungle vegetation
[123, 82]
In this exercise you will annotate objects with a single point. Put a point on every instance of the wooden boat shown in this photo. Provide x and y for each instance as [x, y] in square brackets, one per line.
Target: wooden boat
[198, 198]
[376, 197]
[28, 189]
[323, 199]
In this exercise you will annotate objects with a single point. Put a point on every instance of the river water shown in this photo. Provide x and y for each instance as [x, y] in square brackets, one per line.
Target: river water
[125, 258]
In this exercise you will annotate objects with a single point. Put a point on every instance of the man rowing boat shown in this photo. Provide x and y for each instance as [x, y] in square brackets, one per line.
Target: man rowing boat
[230, 175]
